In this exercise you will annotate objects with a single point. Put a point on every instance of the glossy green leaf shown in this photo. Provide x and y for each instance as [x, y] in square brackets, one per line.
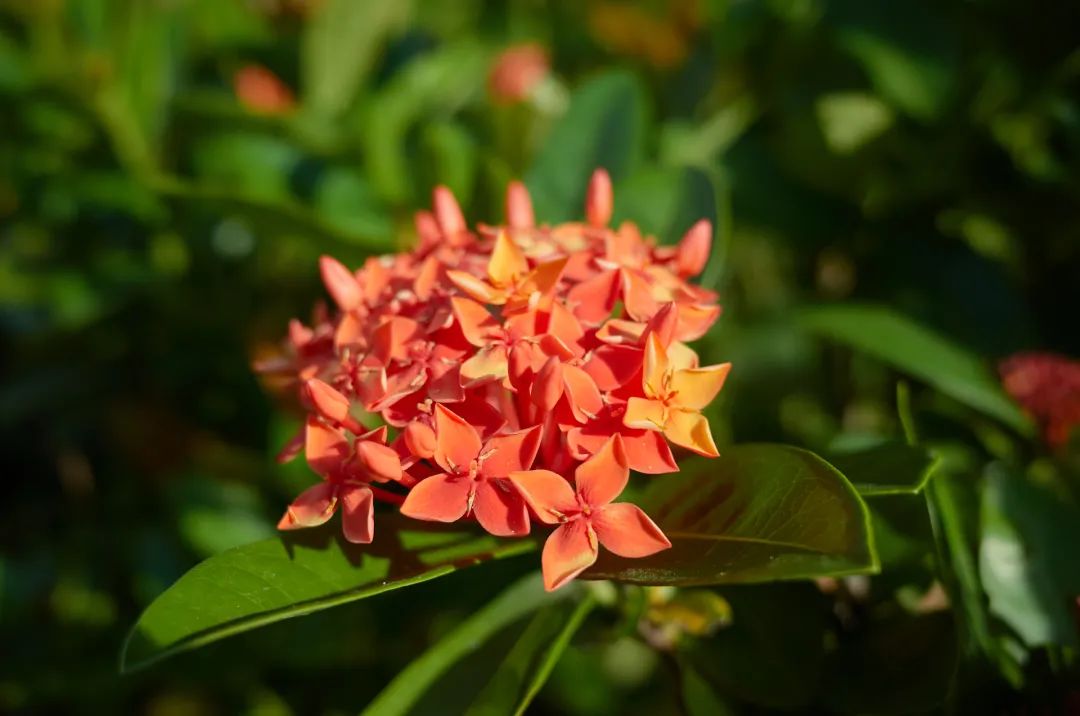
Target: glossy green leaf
[885, 467]
[604, 127]
[297, 574]
[758, 513]
[517, 601]
[1028, 559]
[339, 47]
[527, 666]
[924, 354]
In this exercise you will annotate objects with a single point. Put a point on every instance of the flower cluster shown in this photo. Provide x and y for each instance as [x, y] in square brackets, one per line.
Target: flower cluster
[524, 369]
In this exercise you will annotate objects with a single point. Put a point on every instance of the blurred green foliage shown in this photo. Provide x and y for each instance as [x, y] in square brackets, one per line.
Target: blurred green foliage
[156, 233]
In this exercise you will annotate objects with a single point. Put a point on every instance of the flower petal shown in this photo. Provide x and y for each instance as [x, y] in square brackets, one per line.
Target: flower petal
[419, 438]
[390, 340]
[313, 507]
[377, 462]
[357, 514]
[340, 283]
[570, 550]
[519, 209]
[627, 531]
[593, 299]
[645, 414]
[507, 262]
[456, 442]
[613, 366]
[510, 453]
[326, 448]
[656, 367]
[693, 251]
[547, 493]
[488, 364]
[637, 296]
[448, 212]
[648, 452]
[500, 509]
[696, 387]
[547, 387]
[599, 199]
[476, 323]
[476, 288]
[601, 478]
[439, 498]
[691, 430]
[582, 394]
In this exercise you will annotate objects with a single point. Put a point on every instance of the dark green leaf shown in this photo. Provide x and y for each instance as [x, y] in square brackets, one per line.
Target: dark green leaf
[698, 696]
[896, 665]
[920, 352]
[885, 468]
[773, 653]
[1028, 559]
[758, 513]
[526, 668]
[276, 579]
[604, 127]
[520, 599]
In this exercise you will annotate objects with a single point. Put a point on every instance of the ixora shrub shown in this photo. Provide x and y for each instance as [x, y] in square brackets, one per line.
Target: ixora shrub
[508, 380]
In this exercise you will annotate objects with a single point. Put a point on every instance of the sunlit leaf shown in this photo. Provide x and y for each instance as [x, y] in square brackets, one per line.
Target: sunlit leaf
[1028, 559]
[527, 666]
[758, 513]
[517, 601]
[300, 573]
[914, 349]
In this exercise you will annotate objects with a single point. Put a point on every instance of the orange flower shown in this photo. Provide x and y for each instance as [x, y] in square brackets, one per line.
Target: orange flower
[674, 398]
[491, 353]
[586, 515]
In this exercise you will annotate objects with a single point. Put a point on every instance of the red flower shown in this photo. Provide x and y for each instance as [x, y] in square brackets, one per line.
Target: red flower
[1048, 386]
[586, 515]
[517, 72]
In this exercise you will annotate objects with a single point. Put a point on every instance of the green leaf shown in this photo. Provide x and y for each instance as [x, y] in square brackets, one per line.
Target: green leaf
[773, 653]
[666, 201]
[900, 664]
[303, 572]
[1028, 559]
[339, 47]
[885, 467]
[523, 597]
[919, 352]
[604, 127]
[526, 668]
[698, 696]
[758, 513]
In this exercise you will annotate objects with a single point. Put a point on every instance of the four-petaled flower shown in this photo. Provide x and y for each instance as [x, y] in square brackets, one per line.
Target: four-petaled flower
[347, 472]
[474, 481]
[674, 398]
[586, 515]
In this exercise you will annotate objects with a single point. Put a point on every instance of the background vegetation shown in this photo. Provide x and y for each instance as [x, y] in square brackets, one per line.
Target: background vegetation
[161, 214]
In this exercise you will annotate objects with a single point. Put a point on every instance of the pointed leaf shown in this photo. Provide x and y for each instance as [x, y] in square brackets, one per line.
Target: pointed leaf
[919, 352]
[758, 513]
[529, 663]
[520, 599]
[296, 574]
[885, 468]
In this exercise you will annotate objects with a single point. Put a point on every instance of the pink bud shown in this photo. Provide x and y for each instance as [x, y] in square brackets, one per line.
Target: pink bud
[419, 439]
[548, 386]
[599, 199]
[519, 208]
[448, 212]
[340, 283]
[693, 251]
[331, 404]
